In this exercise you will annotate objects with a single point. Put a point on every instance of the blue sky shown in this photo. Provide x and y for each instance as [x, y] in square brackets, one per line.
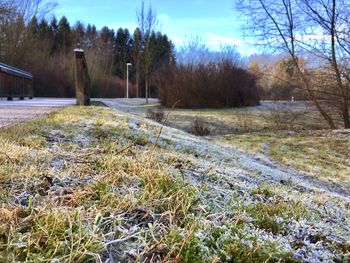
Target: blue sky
[215, 22]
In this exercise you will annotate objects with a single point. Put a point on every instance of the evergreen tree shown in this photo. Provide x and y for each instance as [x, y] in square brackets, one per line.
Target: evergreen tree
[106, 45]
[45, 31]
[107, 35]
[123, 46]
[54, 32]
[64, 35]
[33, 27]
[79, 33]
[91, 36]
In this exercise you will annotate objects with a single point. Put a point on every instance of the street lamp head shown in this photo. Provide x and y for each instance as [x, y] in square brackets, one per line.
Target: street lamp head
[128, 64]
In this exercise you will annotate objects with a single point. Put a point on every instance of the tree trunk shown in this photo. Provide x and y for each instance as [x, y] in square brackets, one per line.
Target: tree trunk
[323, 113]
[137, 82]
[341, 87]
[146, 86]
[346, 116]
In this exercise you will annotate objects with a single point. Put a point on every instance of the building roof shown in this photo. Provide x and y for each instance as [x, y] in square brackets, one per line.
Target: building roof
[15, 71]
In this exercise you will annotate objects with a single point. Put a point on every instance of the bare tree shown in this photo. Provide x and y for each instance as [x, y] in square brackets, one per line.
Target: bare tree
[14, 16]
[148, 22]
[318, 29]
[333, 18]
[195, 52]
[137, 48]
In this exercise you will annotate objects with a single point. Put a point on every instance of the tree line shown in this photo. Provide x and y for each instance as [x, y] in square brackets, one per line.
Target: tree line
[43, 46]
[31, 41]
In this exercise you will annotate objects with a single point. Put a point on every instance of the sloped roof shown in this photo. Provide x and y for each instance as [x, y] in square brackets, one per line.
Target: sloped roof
[15, 71]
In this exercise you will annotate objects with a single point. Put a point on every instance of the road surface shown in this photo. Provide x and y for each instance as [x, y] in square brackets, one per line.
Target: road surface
[12, 112]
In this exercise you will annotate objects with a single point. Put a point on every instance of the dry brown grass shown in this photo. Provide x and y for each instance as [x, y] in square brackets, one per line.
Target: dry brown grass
[82, 186]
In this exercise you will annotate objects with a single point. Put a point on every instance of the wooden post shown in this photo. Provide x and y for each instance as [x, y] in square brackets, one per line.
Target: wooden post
[82, 80]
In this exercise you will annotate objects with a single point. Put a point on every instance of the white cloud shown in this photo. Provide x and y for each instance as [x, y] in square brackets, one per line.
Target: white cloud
[180, 30]
[217, 41]
[215, 33]
[319, 37]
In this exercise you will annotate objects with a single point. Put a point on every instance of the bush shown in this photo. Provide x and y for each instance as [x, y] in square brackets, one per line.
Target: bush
[212, 85]
[158, 116]
[199, 127]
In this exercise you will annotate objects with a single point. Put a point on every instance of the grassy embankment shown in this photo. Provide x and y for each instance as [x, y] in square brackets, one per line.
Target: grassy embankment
[83, 186]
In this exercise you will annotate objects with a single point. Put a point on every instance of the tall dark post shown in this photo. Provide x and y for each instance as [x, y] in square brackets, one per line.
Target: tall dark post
[82, 80]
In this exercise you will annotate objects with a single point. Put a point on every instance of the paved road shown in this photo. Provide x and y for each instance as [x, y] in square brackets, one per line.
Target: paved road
[12, 112]
[17, 111]
[38, 102]
[136, 106]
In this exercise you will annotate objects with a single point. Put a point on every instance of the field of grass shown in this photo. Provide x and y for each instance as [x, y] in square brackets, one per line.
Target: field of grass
[322, 154]
[93, 185]
[266, 117]
[292, 134]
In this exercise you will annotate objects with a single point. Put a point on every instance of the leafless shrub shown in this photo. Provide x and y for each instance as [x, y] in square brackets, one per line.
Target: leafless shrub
[283, 119]
[200, 127]
[158, 116]
[245, 122]
[212, 85]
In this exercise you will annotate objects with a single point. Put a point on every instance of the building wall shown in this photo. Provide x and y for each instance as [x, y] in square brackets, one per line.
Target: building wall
[12, 86]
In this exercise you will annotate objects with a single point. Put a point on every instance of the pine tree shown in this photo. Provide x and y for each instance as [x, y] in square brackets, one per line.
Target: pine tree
[33, 26]
[79, 33]
[91, 36]
[54, 32]
[64, 35]
[44, 30]
[123, 46]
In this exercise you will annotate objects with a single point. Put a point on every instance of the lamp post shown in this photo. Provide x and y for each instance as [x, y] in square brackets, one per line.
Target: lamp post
[127, 79]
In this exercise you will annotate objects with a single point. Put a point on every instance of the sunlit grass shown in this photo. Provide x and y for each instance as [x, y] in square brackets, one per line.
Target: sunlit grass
[322, 154]
[82, 186]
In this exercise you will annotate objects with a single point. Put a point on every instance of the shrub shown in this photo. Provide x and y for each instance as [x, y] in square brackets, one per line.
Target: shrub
[158, 116]
[212, 85]
[199, 127]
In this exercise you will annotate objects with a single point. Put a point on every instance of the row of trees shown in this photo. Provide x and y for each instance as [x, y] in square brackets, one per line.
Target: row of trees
[318, 30]
[200, 78]
[44, 46]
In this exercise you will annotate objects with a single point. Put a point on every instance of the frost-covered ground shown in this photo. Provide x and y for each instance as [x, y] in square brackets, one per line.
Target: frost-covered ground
[232, 174]
[102, 185]
[269, 115]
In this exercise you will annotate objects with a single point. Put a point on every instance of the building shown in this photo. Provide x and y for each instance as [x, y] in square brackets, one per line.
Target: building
[15, 83]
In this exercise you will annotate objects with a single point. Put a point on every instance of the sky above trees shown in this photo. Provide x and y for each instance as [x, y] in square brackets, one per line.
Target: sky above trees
[216, 23]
